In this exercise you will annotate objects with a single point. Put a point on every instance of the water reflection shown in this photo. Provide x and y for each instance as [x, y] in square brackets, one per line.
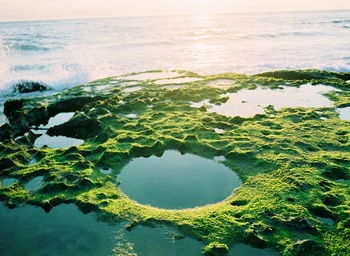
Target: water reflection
[178, 80]
[151, 75]
[344, 113]
[56, 141]
[247, 103]
[34, 184]
[65, 230]
[246, 250]
[176, 181]
[57, 120]
[8, 182]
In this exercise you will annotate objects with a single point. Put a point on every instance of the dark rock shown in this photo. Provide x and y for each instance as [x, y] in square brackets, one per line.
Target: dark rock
[86, 207]
[347, 223]
[306, 247]
[5, 132]
[6, 163]
[321, 211]
[253, 238]
[26, 87]
[336, 172]
[344, 76]
[54, 187]
[239, 202]
[71, 104]
[80, 127]
[22, 121]
[332, 200]
[302, 75]
[300, 224]
[13, 105]
[28, 139]
[47, 207]
[86, 182]
[83, 165]
[36, 116]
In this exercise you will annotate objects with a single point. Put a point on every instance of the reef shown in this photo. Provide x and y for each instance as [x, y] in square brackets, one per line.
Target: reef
[294, 162]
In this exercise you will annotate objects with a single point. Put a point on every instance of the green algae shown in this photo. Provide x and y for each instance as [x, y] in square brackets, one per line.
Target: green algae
[294, 162]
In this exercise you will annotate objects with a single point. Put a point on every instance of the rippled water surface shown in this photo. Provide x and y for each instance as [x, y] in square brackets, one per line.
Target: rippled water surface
[65, 53]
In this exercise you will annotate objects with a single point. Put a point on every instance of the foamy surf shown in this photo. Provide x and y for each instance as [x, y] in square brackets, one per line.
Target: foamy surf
[62, 54]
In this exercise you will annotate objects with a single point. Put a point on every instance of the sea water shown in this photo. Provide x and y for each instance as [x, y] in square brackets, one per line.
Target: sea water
[65, 53]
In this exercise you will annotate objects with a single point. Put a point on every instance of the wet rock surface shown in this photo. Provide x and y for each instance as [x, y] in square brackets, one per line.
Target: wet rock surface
[26, 87]
[294, 165]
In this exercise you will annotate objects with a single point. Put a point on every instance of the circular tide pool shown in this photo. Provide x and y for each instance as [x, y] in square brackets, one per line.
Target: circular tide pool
[175, 181]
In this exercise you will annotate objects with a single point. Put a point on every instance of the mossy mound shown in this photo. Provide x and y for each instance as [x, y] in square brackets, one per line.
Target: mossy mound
[294, 165]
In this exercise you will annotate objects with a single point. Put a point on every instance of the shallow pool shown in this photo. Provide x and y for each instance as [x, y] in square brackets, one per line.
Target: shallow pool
[34, 184]
[161, 240]
[151, 75]
[246, 250]
[8, 182]
[344, 113]
[58, 119]
[133, 89]
[178, 80]
[56, 141]
[65, 230]
[175, 181]
[247, 103]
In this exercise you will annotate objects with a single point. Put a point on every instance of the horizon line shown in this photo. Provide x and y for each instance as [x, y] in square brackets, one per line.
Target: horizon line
[172, 15]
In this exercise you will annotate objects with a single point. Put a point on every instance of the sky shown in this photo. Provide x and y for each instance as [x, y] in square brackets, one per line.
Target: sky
[18, 10]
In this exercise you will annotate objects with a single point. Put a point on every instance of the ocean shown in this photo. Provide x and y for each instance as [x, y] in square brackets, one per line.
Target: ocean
[64, 53]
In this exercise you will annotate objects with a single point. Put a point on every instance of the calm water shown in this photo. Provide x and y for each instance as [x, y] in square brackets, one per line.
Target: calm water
[8, 182]
[64, 231]
[65, 53]
[34, 184]
[161, 241]
[57, 120]
[56, 141]
[344, 113]
[175, 181]
[67, 231]
[247, 103]
[246, 250]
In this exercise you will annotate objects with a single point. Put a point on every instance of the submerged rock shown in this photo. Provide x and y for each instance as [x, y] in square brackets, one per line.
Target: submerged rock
[26, 87]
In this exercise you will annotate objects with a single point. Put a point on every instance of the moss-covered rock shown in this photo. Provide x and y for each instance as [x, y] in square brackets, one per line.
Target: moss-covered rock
[293, 164]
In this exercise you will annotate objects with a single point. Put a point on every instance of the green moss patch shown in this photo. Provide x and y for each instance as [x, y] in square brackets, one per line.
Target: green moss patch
[294, 162]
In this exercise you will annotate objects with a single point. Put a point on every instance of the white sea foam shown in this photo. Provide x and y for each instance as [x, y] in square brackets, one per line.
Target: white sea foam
[62, 54]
